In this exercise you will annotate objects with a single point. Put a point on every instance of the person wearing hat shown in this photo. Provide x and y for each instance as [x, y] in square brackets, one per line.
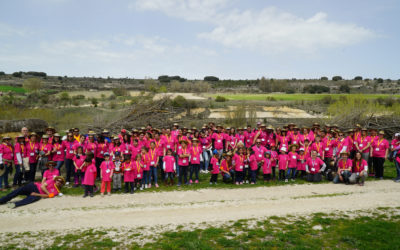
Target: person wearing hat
[341, 144]
[227, 171]
[283, 161]
[6, 161]
[51, 171]
[31, 151]
[69, 146]
[379, 152]
[77, 136]
[363, 144]
[58, 152]
[106, 134]
[49, 132]
[238, 162]
[307, 134]
[249, 137]
[301, 163]
[259, 152]
[34, 192]
[195, 159]
[154, 162]
[219, 140]
[292, 163]
[19, 154]
[344, 165]
[183, 162]
[314, 167]
[329, 145]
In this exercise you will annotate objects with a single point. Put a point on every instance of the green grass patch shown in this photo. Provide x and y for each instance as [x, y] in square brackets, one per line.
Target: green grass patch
[5, 88]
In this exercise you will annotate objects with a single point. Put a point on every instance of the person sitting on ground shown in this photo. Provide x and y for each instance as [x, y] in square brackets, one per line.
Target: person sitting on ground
[360, 170]
[34, 192]
[344, 165]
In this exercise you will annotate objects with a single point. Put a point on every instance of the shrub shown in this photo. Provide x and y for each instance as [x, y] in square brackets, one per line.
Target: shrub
[179, 101]
[211, 79]
[379, 80]
[17, 74]
[344, 88]
[220, 99]
[337, 78]
[358, 78]
[32, 84]
[324, 78]
[290, 91]
[120, 91]
[312, 89]
[2, 73]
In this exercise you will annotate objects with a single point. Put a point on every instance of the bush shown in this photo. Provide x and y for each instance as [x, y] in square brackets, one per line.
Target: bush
[290, 91]
[324, 78]
[358, 78]
[179, 101]
[344, 88]
[17, 74]
[211, 79]
[32, 84]
[120, 91]
[312, 89]
[327, 99]
[94, 101]
[2, 73]
[34, 73]
[379, 80]
[220, 99]
[337, 78]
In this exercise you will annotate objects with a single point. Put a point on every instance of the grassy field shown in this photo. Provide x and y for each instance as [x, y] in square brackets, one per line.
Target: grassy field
[292, 97]
[4, 88]
[378, 229]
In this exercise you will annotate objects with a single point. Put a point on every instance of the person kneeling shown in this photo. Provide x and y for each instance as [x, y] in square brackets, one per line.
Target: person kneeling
[360, 170]
[314, 167]
[344, 165]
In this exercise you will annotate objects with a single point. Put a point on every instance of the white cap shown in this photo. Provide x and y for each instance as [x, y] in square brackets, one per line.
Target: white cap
[283, 149]
[397, 134]
[301, 149]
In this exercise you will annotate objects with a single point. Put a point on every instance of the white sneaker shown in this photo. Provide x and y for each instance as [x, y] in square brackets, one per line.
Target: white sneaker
[247, 182]
[211, 183]
[145, 185]
[11, 205]
[141, 188]
[286, 180]
[67, 183]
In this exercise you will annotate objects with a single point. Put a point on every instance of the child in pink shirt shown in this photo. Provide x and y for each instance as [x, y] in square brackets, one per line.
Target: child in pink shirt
[283, 161]
[301, 163]
[253, 166]
[106, 173]
[89, 178]
[129, 175]
[79, 164]
[215, 168]
[169, 167]
[292, 163]
[266, 167]
[138, 172]
[274, 158]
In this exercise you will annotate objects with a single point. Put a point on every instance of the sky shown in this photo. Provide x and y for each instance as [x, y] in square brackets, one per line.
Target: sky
[230, 39]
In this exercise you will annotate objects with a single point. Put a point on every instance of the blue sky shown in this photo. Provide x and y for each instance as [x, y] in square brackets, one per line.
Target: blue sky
[234, 39]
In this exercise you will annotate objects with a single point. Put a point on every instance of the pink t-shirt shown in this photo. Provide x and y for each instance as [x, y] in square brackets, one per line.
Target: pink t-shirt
[90, 175]
[50, 187]
[282, 161]
[138, 170]
[69, 149]
[79, 162]
[50, 174]
[183, 161]
[266, 167]
[314, 165]
[18, 149]
[357, 168]
[215, 165]
[363, 142]
[101, 149]
[169, 163]
[301, 163]
[253, 162]
[379, 148]
[195, 154]
[218, 140]
[259, 152]
[58, 155]
[293, 157]
[129, 172]
[239, 162]
[345, 165]
[106, 167]
[168, 142]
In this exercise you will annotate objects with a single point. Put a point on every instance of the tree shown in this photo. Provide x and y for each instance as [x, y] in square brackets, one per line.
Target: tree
[344, 88]
[94, 101]
[2, 73]
[337, 78]
[379, 80]
[211, 78]
[324, 78]
[358, 78]
[32, 84]
[17, 74]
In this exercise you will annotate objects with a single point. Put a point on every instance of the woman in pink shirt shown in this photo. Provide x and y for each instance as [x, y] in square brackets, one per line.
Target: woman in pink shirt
[195, 158]
[169, 166]
[238, 163]
[379, 152]
[292, 163]
[360, 170]
[214, 168]
[314, 167]
[183, 162]
[89, 178]
[51, 172]
[68, 146]
[34, 192]
[106, 173]
[58, 152]
[6, 160]
[344, 165]
[19, 154]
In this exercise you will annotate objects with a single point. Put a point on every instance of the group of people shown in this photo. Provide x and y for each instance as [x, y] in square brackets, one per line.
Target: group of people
[140, 157]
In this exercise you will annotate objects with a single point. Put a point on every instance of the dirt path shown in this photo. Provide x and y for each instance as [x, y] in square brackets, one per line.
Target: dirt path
[206, 205]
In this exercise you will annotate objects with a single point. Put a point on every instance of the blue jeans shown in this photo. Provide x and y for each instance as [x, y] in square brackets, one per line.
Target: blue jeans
[194, 168]
[176, 161]
[206, 160]
[253, 175]
[291, 173]
[59, 165]
[153, 174]
[397, 169]
[25, 190]
[18, 175]
[183, 173]
[239, 176]
[4, 178]
[69, 166]
[146, 177]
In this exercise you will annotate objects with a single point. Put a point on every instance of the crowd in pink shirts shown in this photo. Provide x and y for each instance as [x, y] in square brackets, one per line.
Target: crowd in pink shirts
[141, 157]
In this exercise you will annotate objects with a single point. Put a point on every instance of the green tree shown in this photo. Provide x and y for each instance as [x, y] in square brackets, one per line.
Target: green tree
[324, 78]
[32, 84]
[94, 101]
[358, 78]
[344, 88]
[211, 78]
[337, 78]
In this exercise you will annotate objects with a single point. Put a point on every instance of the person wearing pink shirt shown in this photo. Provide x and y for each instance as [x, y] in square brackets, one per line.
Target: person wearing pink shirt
[183, 162]
[169, 166]
[283, 161]
[101, 149]
[344, 166]
[195, 159]
[253, 165]
[314, 167]
[249, 137]
[218, 139]
[68, 146]
[238, 164]
[145, 160]
[283, 139]
[129, 175]
[295, 137]
[34, 192]
[58, 152]
[19, 154]
[89, 178]
[80, 166]
[6, 160]
[363, 144]
[292, 162]
[45, 149]
[51, 172]
[136, 149]
[379, 152]
[214, 168]
[359, 171]
[274, 158]
[138, 172]
[318, 146]
[206, 145]
[106, 173]
[266, 167]
[153, 153]
[301, 163]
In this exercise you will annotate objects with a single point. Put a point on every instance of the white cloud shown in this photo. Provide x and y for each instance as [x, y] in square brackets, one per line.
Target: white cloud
[189, 10]
[268, 30]
[8, 31]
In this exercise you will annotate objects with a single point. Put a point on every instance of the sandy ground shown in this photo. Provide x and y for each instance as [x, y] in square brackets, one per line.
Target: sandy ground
[188, 207]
